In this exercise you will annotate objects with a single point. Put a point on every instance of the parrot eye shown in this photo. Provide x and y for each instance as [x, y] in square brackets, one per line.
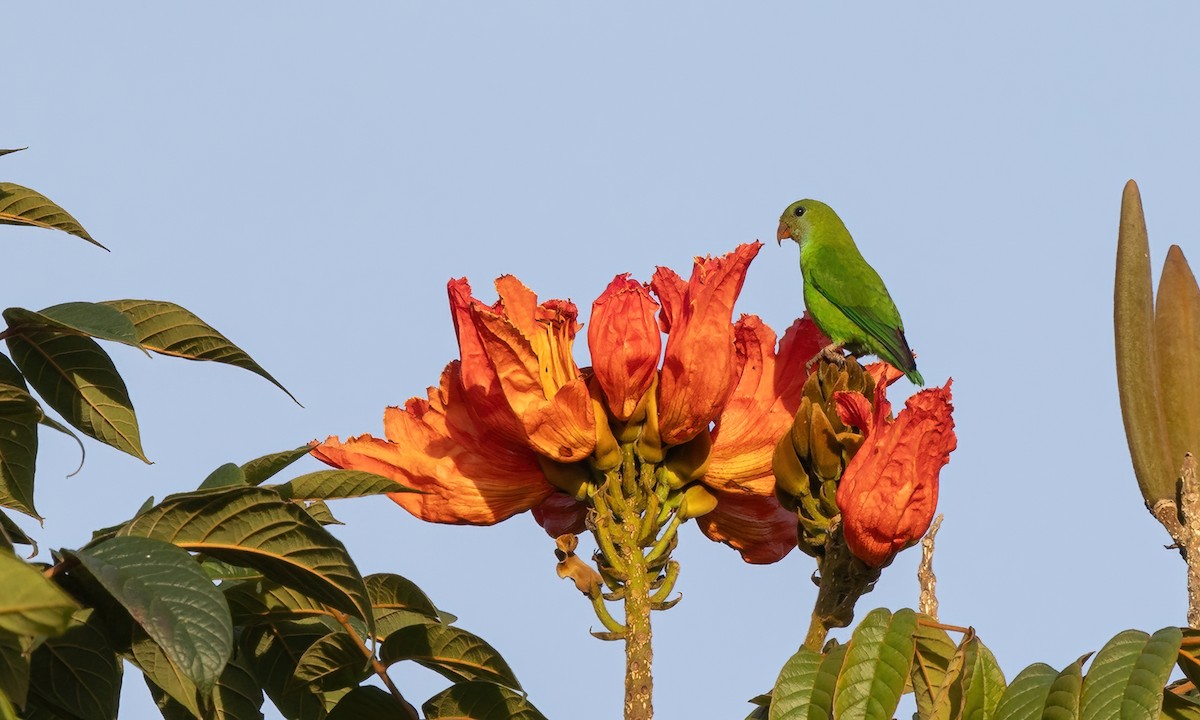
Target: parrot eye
[798, 211]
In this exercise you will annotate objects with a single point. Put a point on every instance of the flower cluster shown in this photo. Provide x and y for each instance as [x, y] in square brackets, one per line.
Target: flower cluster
[516, 425]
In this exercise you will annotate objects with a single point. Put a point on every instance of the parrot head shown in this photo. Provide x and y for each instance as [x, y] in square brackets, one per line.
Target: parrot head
[800, 217]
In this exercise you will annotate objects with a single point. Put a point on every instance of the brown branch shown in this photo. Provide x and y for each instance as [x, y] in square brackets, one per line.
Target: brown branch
[378, 667]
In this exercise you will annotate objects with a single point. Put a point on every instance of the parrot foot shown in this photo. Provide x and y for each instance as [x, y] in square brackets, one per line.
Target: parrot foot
[831, 352]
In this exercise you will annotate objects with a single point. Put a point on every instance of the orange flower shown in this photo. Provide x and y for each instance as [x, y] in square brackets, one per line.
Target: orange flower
[888, 492]
[748, 517]
[625, 343]
[699, 366]
[513, 426]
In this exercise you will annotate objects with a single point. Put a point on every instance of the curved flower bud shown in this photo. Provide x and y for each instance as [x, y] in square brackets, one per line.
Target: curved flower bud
[888, 492]
[625, 343]
[466, 472]
[699, 365]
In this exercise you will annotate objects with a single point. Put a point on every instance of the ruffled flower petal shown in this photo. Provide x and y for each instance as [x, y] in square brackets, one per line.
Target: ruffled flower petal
[466, 473]
[755, 525]
[888, 492]
[699, 365]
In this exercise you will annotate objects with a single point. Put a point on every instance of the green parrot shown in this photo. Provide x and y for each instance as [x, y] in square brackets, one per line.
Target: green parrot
[845, 296]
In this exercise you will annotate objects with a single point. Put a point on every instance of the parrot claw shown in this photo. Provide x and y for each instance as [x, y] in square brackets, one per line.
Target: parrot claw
[831, 352]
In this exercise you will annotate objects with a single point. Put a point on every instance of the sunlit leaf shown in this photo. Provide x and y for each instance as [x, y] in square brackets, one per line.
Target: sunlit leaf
[261, 469]
[76, 377]
[480, 700]
[171, 597]
[94, 319]
[806, 684]
[77, 674]
[22, 206]
[31, 604]
[225, 476]
[19, 413]
[1126, 678]
[453, 652]
[983, 682]
[319, 510]
[931, 671]
[338, 484]
[1062, 701]
[255, 528]
[1026, 694]
[169, 329]
[877, 664]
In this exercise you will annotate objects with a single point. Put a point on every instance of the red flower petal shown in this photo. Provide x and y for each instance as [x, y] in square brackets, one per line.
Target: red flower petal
[888, 492]
[698, 371]
[763, 403]
[754, 525]
[625, 343]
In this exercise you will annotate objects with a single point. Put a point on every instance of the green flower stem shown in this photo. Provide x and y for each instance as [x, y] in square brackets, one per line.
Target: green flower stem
[606, 619]
[665, 542]
[817, 632]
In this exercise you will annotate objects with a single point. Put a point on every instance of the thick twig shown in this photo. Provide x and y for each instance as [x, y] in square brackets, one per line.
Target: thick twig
[1189, 539]
[926, 578]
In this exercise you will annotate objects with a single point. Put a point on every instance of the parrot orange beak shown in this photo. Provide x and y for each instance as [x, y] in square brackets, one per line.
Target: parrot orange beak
[783, 234]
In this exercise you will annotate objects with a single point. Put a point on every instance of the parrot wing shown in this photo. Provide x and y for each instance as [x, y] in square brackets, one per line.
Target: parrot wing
[865, 301]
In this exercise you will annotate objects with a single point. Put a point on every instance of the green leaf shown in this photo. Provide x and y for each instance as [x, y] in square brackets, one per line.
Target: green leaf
[14, 667]
[366, 703]
[450, 651]
[1125, 680]
[99, 321]
[480, 700]
[254, 527]
[237, 695]
[983, 682]
[77, 674]
[174, 692]
[22, 206]
[11, 534]
[338, 484]
[19, 414]
[220, 571]
[5, 152]
[319, 511]
[272, 653]
[171, 597]
[877, 665]
[261, 601]
[804, 689]
[335, 661]
[225, 476]
[30, 603]
[762, 707]
[76, 377]
[1177, 707]
[261, 469]
[169, 329]
[9, 374]
[1062, 702]
[397, 602]
[1026, 695]
[931, 671]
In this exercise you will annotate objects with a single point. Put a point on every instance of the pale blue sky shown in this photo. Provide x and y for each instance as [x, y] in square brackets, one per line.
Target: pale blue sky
[307, 177]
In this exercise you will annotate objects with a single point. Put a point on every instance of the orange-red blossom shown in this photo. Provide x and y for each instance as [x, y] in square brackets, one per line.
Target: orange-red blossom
[888, 492]
[515, 415]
